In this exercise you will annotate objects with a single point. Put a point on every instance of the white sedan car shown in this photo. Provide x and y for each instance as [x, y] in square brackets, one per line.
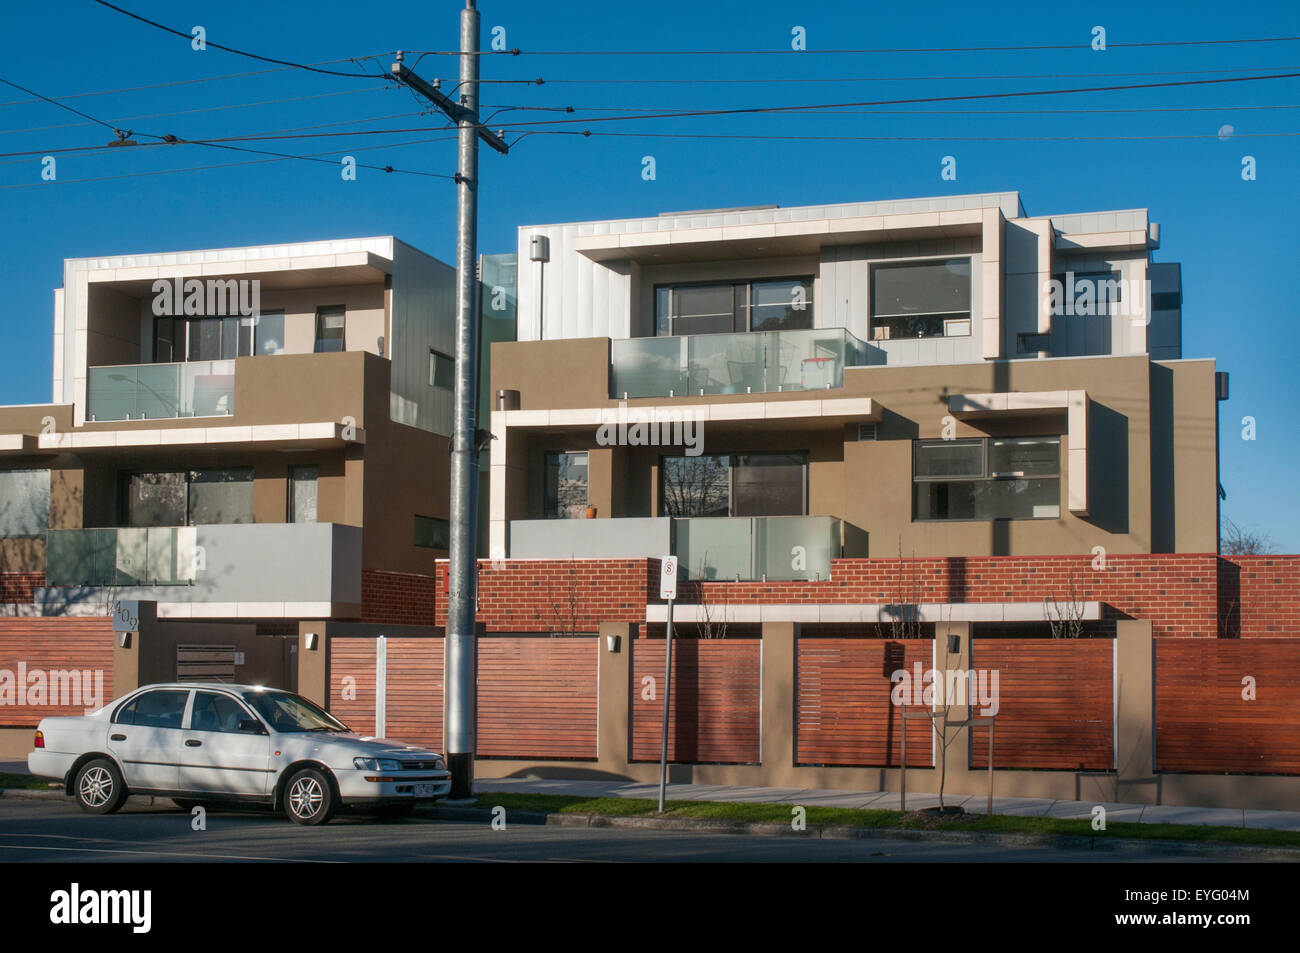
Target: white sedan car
[199, 743]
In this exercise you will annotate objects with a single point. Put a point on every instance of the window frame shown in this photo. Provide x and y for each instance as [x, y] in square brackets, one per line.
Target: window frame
[731, 458]
[747, 307]
[546, 473]
[320, 326]
[988, 477]
[944, 317]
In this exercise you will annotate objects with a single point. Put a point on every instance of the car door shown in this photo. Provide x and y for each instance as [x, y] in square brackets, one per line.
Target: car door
[145, 738]
[218, 758]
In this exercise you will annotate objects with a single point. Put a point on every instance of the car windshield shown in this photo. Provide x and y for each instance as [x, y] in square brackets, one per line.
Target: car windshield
[286, 712]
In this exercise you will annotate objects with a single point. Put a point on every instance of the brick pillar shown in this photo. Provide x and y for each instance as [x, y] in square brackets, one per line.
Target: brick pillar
[613, 731]
[958, 776]
[778, 692]
[1135, 713]
[313, 663]
[126, 661]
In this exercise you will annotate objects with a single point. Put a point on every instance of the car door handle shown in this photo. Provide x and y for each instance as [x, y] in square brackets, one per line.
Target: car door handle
[193, 743]
[117, 737]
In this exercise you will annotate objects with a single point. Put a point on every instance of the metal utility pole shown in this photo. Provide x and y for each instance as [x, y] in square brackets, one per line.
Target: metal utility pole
[463, 568]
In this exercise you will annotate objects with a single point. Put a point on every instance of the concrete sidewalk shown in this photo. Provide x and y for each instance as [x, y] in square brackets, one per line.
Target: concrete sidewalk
[883, 800]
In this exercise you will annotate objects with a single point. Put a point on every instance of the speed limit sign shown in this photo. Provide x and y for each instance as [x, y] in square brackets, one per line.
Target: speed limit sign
[668, 577]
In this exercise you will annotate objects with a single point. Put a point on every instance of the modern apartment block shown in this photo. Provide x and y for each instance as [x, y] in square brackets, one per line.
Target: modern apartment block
[253, 435]
[762, 390]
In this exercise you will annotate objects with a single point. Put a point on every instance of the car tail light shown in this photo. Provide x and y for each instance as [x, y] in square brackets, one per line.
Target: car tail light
[40, 739]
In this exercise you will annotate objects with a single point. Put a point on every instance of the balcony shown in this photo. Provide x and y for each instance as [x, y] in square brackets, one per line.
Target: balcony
[133, 556]
[775, 548]
[754, 362]
[161, 391]
[266, 569]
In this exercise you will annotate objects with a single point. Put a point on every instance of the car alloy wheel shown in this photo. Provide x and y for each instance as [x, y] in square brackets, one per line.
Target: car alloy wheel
[99, 788]
[96, 787]
[309, 797]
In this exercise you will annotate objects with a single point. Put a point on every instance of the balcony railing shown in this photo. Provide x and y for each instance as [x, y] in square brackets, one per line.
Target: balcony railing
[161, 391]
[754, 362]
[747, 548]
[132, 556]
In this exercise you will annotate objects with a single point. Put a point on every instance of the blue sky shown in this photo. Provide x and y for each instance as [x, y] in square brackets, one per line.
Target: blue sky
[1233, 237]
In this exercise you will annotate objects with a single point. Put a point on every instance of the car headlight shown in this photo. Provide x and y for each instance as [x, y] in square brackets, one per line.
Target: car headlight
[439, 764]
[377, 764]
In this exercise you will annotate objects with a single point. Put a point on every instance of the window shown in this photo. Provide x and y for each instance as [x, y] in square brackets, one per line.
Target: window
[566, 486]
[921, 299]
[776, 304]
[268, 337]
[330, 323]
[1031, 343]
[987, 478]
[432, 533]
[24, 502]
[302, 493]
[442, 371]
[213, 712]
[160, 709]
[741, 484]
[1087, 293]
[221, 496]
[189, 498]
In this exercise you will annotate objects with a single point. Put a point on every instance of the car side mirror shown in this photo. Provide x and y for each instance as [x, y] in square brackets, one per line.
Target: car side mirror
[251, 726]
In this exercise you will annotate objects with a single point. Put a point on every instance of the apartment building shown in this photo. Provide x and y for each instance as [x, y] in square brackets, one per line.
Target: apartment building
[245, 437]
[762, 390]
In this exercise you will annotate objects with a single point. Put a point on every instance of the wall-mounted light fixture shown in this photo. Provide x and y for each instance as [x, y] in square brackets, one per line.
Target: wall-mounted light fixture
[124, 639]
[954, 644]
[611, 642]
[311, 641]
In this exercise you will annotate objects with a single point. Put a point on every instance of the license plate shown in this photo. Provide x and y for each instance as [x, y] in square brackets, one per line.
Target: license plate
[424, 790]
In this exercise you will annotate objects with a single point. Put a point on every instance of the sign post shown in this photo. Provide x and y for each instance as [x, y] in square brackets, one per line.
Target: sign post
[667, 590]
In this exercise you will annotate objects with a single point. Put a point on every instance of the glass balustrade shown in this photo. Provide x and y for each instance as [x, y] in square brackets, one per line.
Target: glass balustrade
[161, 391]
[128, 556]
[755, 362]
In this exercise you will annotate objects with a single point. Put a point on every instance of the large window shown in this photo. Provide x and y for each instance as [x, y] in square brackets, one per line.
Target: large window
[776, 304]
[987, 478]
[215, 339]
[566, 486]
[442, 371]
[921, 299]
[190, 497]
[739, 484]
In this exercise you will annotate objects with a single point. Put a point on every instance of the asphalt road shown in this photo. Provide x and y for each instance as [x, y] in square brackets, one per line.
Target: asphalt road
[57, 831]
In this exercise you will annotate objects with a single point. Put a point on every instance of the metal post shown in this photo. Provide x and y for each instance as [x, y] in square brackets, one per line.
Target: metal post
[902, 771]
[462, 567]
[990, 809]
[663, 741]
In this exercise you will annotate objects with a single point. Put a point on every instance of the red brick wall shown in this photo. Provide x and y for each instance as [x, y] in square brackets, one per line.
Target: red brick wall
[1259, 596]
[557, 595]
[20, 586]
[397, 598]
[1181, 594]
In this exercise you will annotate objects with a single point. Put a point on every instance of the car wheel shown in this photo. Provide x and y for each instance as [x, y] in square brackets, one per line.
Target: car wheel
[309, 798]
[395, 812]
[99, 788]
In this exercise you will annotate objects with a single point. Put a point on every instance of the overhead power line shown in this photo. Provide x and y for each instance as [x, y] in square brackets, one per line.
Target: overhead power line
[966, 97]
[230, 49]
[786, 81]
[919, 49]
[200, 79]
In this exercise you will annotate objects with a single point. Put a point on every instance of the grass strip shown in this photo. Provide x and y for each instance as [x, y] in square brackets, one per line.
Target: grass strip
[889, 820]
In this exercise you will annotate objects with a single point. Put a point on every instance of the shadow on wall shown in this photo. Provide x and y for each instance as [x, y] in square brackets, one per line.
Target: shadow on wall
[1108, 469]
